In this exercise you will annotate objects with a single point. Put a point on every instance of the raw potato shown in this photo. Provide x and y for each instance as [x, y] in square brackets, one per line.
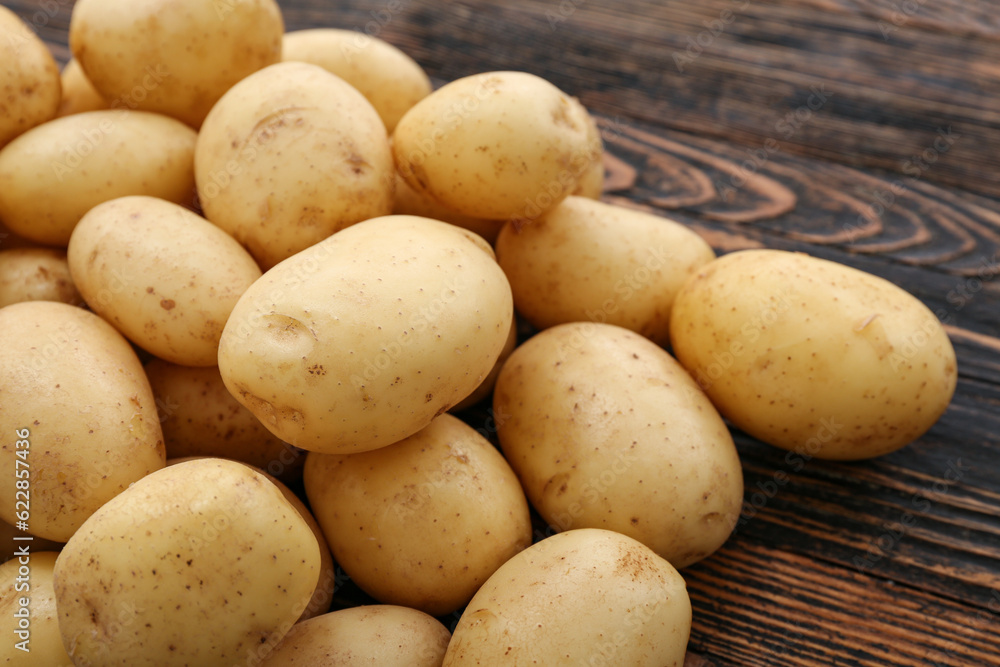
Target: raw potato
[200, 417]
[29, 78]
[423, 522]
[410, 202]
[28, 580]
[289, 156]
[36, 274]
[585, 597]
[606, 430]
[382, 635]
[591, 183]
[812, 356]
[496, 145]
[8, 545]
[388, 78]
[78, 93]
[175, 57]
[590, 261]
[52, 175]
[164, 276]
[76, 385]
[210, 559]
[485, 388]
[361, 340]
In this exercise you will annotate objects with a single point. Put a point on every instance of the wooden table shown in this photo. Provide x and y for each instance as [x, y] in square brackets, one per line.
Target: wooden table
[863, 131]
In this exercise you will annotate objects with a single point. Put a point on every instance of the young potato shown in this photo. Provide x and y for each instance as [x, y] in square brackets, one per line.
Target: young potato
[36, 274]
[28, 612]
[211, 560]
[8, 545]
[383, 635]
[30, 78]
[90, 158]
[606, 430]
[76, 388]
[584, 597]
[361, 340]
[591, 183]
[388, 78]
[289, 156]
[410, 202]
[496, 145]
[78, 93]
[175, 57]
[485, 388]
[813, 356]
[164, 276]
[590, 261]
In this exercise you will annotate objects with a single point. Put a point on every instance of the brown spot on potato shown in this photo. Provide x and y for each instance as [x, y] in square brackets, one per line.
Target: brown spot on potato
[167, 304]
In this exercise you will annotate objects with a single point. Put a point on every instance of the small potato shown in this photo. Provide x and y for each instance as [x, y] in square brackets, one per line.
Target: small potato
[383, 635]
[590, 261]
[591, 183]
[29, 620]
[606, 430]
[29, 79]
[75, 389]
[164, 276]
[78, 93]
[52, 175]
[410, 202]
[423, 522]
[289, 156]
[496, 145]
[36, 274]
[813, 356]
[584, 597]
[388, 78]
[175, 57]
[486, 386]
[210, 559]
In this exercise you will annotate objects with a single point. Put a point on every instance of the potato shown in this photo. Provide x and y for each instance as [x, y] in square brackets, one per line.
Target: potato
[812, 356]
[164, 276]
[52, 175]
[11, 241]
[289, 156]
[76, 388]
[485, 388]
[383, 635]
[30, 624]
[8, 545]
[388, 78]
[200, 417]
[175, 57]
[78, 93]
[590, 261]
[496, 145]
[361, 340]
[29, 77]
[584, 597]
[36, 274]
[606, 430]
[211, 561]
[591, 184]
[410, 202]
[423, 522]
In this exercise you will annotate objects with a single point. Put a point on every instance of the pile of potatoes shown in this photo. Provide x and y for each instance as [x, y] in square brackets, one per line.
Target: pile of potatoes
[246, 278]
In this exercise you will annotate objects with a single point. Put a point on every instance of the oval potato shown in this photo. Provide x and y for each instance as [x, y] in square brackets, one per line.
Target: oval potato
[41, 646]
[36, 274]
[78, 93]
[30, 78]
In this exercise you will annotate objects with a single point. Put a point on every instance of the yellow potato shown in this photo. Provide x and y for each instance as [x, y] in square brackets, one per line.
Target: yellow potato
[410, 202]
[36, 274]
[485, 388]
[8, 544]
[289, 156]
[162, 275]
[175, 57]
[78, 93]
[606, 430]
[423, 522]
[591, 183]
[388, 78]
[210, 560]
[496, 145]
[383, 635]
[29, 78]
[52, 175]
[76, 388]
[30, 621]
[584, 597]
[813, 356]
[361, 340]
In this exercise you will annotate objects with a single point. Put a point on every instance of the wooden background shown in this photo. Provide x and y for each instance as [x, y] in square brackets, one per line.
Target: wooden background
[863, 131]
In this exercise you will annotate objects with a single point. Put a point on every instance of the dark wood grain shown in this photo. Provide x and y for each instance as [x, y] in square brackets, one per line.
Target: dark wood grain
[894, 561]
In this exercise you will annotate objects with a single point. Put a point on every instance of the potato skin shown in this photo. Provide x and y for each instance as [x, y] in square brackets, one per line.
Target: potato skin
[45, 643]
[361, 340]
[572, 599]
[813, 356]
[77, 386]
[78, 93]
[36, 274]
[28, 69]
[209, 557]
[606, 430]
